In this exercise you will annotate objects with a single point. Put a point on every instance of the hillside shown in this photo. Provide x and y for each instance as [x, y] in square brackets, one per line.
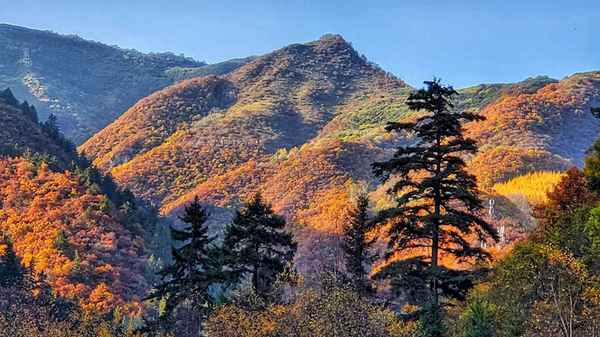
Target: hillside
[66, 221]
[303, 124]
[85, 84]
[547, 128]
[21, 133]
[205, 127]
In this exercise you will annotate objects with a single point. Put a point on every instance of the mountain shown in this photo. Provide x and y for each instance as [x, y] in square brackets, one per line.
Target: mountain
[320, 92]
[546, 127]
[85, 84]
[303, 124]
[221, 68]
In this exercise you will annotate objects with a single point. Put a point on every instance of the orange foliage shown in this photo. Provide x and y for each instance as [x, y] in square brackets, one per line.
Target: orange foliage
[61, 229]
[502, 163]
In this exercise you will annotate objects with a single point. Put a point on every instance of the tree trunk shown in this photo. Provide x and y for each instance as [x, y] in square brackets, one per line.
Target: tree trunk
[435, 230]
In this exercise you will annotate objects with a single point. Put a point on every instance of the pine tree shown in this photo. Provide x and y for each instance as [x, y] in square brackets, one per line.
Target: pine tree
[357, 247]
[11, 272]
[50, 127]
[257, 245]
[436, 201]
[194, 268]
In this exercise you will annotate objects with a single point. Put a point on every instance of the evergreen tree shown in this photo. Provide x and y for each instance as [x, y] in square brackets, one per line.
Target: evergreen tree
[436, 201]
[257, 245]
[194, 269]
[50, 127]
[357, 247]
[11, 272]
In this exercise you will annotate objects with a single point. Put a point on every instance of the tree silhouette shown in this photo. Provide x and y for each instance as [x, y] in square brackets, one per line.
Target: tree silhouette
[357, 247]
[436, 201]
[11, 272]
[257, 245]
[194, 269]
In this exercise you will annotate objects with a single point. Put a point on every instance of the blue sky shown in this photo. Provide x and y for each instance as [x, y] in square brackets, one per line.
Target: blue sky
[463, 42]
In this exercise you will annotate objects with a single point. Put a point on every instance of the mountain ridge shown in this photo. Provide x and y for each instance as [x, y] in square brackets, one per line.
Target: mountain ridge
[282, 99]
[87, 84]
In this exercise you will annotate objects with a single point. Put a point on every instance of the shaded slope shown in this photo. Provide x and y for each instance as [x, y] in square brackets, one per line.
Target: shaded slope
[20, 134]
[86, 84]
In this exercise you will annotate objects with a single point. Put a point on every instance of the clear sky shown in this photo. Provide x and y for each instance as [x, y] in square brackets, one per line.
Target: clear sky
[463, 42]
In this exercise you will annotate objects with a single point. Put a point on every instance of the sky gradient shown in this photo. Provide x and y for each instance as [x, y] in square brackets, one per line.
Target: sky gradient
[463, 42]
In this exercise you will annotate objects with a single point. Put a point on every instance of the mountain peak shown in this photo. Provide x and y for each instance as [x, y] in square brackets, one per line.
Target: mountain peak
[332, 37]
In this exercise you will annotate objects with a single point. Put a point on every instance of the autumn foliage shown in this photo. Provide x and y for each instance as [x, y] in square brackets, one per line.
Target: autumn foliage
[72, 235]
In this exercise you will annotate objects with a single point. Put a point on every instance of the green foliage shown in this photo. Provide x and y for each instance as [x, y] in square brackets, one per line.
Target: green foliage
[194, 270]
[430, 321]
[592, 229]
[357, 246]
[592, 167]
[62, 244]
[478, 319]
[257, 245]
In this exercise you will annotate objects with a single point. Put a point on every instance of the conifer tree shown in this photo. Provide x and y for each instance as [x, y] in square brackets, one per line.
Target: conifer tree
[258, 245]
[357, 247]
[436, 202]
[194, 268]
[11, 272]
[50, 127]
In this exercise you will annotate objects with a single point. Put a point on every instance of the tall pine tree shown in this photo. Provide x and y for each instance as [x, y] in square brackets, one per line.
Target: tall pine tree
[357, 246]
[436, 203]
[195, 267]
[257, 245]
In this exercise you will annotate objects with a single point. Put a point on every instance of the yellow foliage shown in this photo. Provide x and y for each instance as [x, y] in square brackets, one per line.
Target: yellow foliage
[533, 186]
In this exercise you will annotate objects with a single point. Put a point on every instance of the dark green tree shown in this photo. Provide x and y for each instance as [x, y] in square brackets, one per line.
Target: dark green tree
[50, 127]
[11, 271]
[436, 201]
[257, 245]
[357, 246]
[195, 267]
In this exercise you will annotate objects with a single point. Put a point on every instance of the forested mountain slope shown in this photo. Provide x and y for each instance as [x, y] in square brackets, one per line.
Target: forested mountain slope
[303, 124]
[86, 84]
[205, 127]
[67, 223]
